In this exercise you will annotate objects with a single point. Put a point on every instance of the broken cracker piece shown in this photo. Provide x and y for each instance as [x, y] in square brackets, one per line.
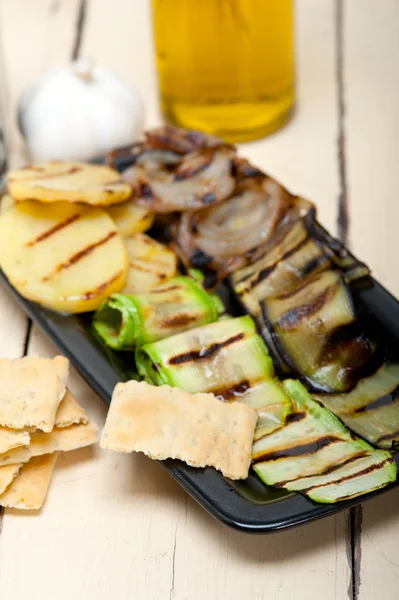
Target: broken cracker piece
[29, 489]
[12, 438]
[165, 422]
[60, 439]
[7, 475]
[70, 412]
[31, 390]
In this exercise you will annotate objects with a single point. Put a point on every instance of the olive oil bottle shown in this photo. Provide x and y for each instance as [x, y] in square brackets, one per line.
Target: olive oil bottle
[225, 66]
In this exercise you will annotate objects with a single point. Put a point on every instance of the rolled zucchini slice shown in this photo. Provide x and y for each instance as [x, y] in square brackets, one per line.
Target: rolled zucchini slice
[127, 321]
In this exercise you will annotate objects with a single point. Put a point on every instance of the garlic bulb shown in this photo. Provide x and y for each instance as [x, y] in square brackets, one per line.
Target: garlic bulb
[79, 112]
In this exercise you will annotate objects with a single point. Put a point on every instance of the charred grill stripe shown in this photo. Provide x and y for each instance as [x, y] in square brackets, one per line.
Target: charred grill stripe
[178, 321]
[327, 470]
[387, 436]
[164, 290]
[98, 290]
[295, 417]
[313, 264]
[81, 254]
[294, 317]
[55, 229]
[269, 269]
[233, 391]
[143, 269]
[297, 289]
[45, 175]
[205, 353]
[360, 473]
[379, 403]
[300, 450]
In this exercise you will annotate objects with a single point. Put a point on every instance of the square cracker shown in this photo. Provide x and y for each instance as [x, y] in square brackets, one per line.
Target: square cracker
[12, 438]
[7, 474]
[69, 412]
[31, 390]
[165, 422]
[60, 439]
[29, 489]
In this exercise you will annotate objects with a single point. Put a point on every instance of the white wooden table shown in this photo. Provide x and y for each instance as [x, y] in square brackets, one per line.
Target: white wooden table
[118, 527]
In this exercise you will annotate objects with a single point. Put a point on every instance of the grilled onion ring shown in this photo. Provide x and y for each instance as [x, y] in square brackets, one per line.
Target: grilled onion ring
[165, 183]
[222, 236]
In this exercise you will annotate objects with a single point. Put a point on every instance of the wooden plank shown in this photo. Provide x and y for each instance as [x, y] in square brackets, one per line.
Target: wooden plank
[371, 79]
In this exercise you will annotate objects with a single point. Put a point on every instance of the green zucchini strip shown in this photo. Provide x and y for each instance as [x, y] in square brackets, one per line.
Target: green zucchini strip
[227, 358]
[370, 409]
[127, 321]
[315, 454]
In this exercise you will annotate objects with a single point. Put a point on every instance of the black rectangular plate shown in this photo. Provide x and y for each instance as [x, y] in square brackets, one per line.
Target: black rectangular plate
[249, 505]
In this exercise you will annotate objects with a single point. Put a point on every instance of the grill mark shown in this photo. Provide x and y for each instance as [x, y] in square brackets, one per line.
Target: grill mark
[295, 290]
[178, 321]
[143, 269]
[295, 417]
[294, 317]
[233, 391]
[164, 290]
[379, 403]
[205, 353]
[327, 470]
[300, 450]
[387, 436]
[79, 255]
[365, 471]
[50, 232]
[49, 175]
[268, 270]
[191, 170]
[313, 264]
[98, 290]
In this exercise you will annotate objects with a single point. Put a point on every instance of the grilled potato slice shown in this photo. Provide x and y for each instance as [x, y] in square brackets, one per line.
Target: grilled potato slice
[6, 202]
[150, 264]
[131, 218]
[67, 257]
[97, 185]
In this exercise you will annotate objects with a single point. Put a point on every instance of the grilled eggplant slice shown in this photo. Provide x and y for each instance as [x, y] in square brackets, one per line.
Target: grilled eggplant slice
[314, 329]
[282, 268]
[67, 257]
[125, 322]
[150, 264]
[371, 409]
[317, 456]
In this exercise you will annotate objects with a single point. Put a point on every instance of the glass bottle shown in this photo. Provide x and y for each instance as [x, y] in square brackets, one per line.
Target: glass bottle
[225, 66]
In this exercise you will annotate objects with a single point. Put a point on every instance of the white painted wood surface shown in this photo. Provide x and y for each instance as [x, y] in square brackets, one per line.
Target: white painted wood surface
[118, 526]
[371, 38]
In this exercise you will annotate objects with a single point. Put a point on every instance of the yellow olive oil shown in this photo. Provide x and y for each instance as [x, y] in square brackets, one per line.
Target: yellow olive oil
[225, 66]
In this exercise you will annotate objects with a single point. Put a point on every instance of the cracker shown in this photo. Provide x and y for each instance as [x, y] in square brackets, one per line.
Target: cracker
[69, 412]
[29, 489]
[31, 390]
[12, 438]
[7, 475]
[165, 422]
[60, 439]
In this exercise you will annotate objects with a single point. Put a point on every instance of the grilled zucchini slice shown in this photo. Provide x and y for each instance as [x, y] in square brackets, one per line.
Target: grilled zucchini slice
[68, 258]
